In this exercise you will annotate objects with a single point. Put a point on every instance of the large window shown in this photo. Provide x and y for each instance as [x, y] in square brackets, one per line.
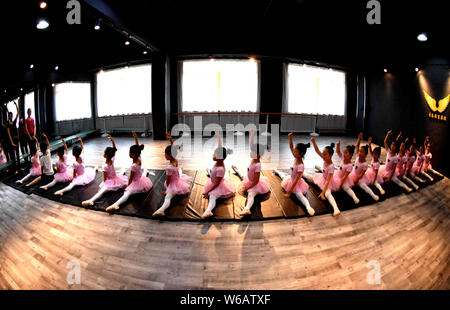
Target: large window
[125, 91]
[313, 90]
[219, 85]
[29, 104]
[72, 101]
[12, 107]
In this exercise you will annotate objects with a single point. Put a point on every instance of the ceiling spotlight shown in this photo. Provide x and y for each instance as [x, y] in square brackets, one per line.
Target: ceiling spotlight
[144, 52]
[43, 5]
[97, 25]
[56, 68]
[31, 66]
[422, 37]
[127, 42]
[53, 84]
[252, 59]
[21, 89]
[42, 24]
[385, 70]
[417, 69]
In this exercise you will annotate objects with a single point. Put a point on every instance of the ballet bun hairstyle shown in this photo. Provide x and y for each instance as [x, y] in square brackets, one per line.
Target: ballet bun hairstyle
[43, 147]
[76, 151]
[330, 148]
[302, 148]
[222, 153]
[60, 151]
[136, 150]
[172, 150]
[377, 151]
[351, 149]
[110, 152]
[258, 149]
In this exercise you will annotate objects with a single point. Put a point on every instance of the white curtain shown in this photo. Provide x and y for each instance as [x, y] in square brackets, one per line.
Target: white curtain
[29, 104]
[313, 90]
[72, 101]
[219, 85]
[12, 108]
[124, 91]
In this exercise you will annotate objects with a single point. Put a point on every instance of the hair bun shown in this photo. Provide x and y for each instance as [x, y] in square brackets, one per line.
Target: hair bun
[115, 150]
[141, 147]
[332, 145]
[308, 145]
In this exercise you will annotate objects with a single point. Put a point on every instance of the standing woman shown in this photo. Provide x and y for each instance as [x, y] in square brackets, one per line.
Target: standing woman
[13, 139]
[30, 128]
[23, 138]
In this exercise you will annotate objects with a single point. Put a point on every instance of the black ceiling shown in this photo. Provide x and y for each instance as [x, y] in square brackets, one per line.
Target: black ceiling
[334, 32]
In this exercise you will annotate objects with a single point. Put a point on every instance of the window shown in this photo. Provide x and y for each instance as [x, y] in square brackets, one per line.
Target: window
[72, 101]
[29, 104]
[313, 90]
[219, 85]
[124, 91]
[12, 107]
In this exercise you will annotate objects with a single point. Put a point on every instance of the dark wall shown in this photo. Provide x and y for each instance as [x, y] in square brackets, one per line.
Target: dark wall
[395, 101]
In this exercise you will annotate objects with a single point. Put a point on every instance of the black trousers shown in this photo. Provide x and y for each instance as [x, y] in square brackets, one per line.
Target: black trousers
[31, 146]
[24, 141]
[14, 155]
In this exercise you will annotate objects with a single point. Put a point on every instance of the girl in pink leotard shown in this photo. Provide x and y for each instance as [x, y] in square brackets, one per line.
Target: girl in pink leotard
[372, 173]
[111, 181]
[35, 170]
[427, 162]
[63, 172]
[342, 175]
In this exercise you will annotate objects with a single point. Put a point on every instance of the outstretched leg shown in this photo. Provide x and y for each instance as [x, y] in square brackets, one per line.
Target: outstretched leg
[24, 179]
[427, 176]
[65, 189]
[51, 184]
[211, 206]
[34, 181]
[116, 205]
[369, 191]
[351, 193]
[401, 184]
[380, 188]
[331, 200]
[90, 202]
[410, 182]
[415, 177]
[166, 204]
[250, 201]
[305, 202]
[436, 172]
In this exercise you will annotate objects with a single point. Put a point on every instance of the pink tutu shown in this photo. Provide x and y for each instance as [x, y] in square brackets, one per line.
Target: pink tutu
[263, 185]
[301, 186]
[113, 181]
[180, 184]
[370, 173]
[2, 159]
[320, 179]
[35, 167]
[401, 167]
[339, 174]
[386, 170]
[225, 189]
[359, 167]
[87, 177]
[427, 162]
[140, 183]
[64, 174]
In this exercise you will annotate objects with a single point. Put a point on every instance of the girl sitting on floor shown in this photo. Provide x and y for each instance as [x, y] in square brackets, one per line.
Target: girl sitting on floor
[81, 175]
[358, 174]
[63, 173]
[294, 183]
[218, 186]
[111, 181]
[2, 156]
[342, 175]
[254, 184]
[45, 162]
[137, 183]
[427, 162]
[372, 172]
[325, 179]
[176, 183]
[35, 170]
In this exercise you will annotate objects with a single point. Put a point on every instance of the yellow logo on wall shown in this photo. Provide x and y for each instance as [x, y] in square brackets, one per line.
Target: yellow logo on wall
[437, 109]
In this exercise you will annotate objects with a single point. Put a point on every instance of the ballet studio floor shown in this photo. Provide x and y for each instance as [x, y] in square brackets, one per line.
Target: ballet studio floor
[406, 234]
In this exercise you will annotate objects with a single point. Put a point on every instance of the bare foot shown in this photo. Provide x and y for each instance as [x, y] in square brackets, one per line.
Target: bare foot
[112, 208]
[87, 203]
[158, 213]
[245, 211]
[207, 214]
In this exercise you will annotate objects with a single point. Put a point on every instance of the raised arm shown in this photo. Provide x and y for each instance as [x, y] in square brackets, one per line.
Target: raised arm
[17, 109]
[136, 141]
[46, 140]
[291, 143]
[81, 143]
[399, 136]
[112, 141]
[66, 150]
[369, 143]
[338, 148]
[252, 136]
[316, 148]
[358, 142]
[427, 139]
[386, 139]
[219, 139]
[169, 136]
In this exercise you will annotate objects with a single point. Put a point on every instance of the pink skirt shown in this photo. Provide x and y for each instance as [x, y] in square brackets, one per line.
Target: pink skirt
[370, 174]
[383, 172]
[348, 181]
[320, 180]
[179, 187]
[262, 187]
[415, 170]
[2, 161]
[142, 185]
[87, 177]
[63, 177]
[364, 179]
[225, 189]
[114, 184]
[426, 167]
[36, 171]
[300, 187]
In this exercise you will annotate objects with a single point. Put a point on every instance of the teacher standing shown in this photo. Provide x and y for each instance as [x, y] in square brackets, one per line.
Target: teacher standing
[13, 137]
[30, 128]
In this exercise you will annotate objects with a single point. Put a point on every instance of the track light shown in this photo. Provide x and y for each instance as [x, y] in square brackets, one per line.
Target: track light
[417, 69]
[127, 43]
[43, 5]
[144, 52]
[422, 37]
[31, 66]
[56, 68]
[42, 24]
[97, 25]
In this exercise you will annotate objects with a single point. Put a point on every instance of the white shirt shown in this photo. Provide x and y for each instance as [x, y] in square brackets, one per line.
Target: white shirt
[46, 164]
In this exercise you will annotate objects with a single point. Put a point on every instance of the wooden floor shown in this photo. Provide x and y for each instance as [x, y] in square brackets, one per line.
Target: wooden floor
[408, 235]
